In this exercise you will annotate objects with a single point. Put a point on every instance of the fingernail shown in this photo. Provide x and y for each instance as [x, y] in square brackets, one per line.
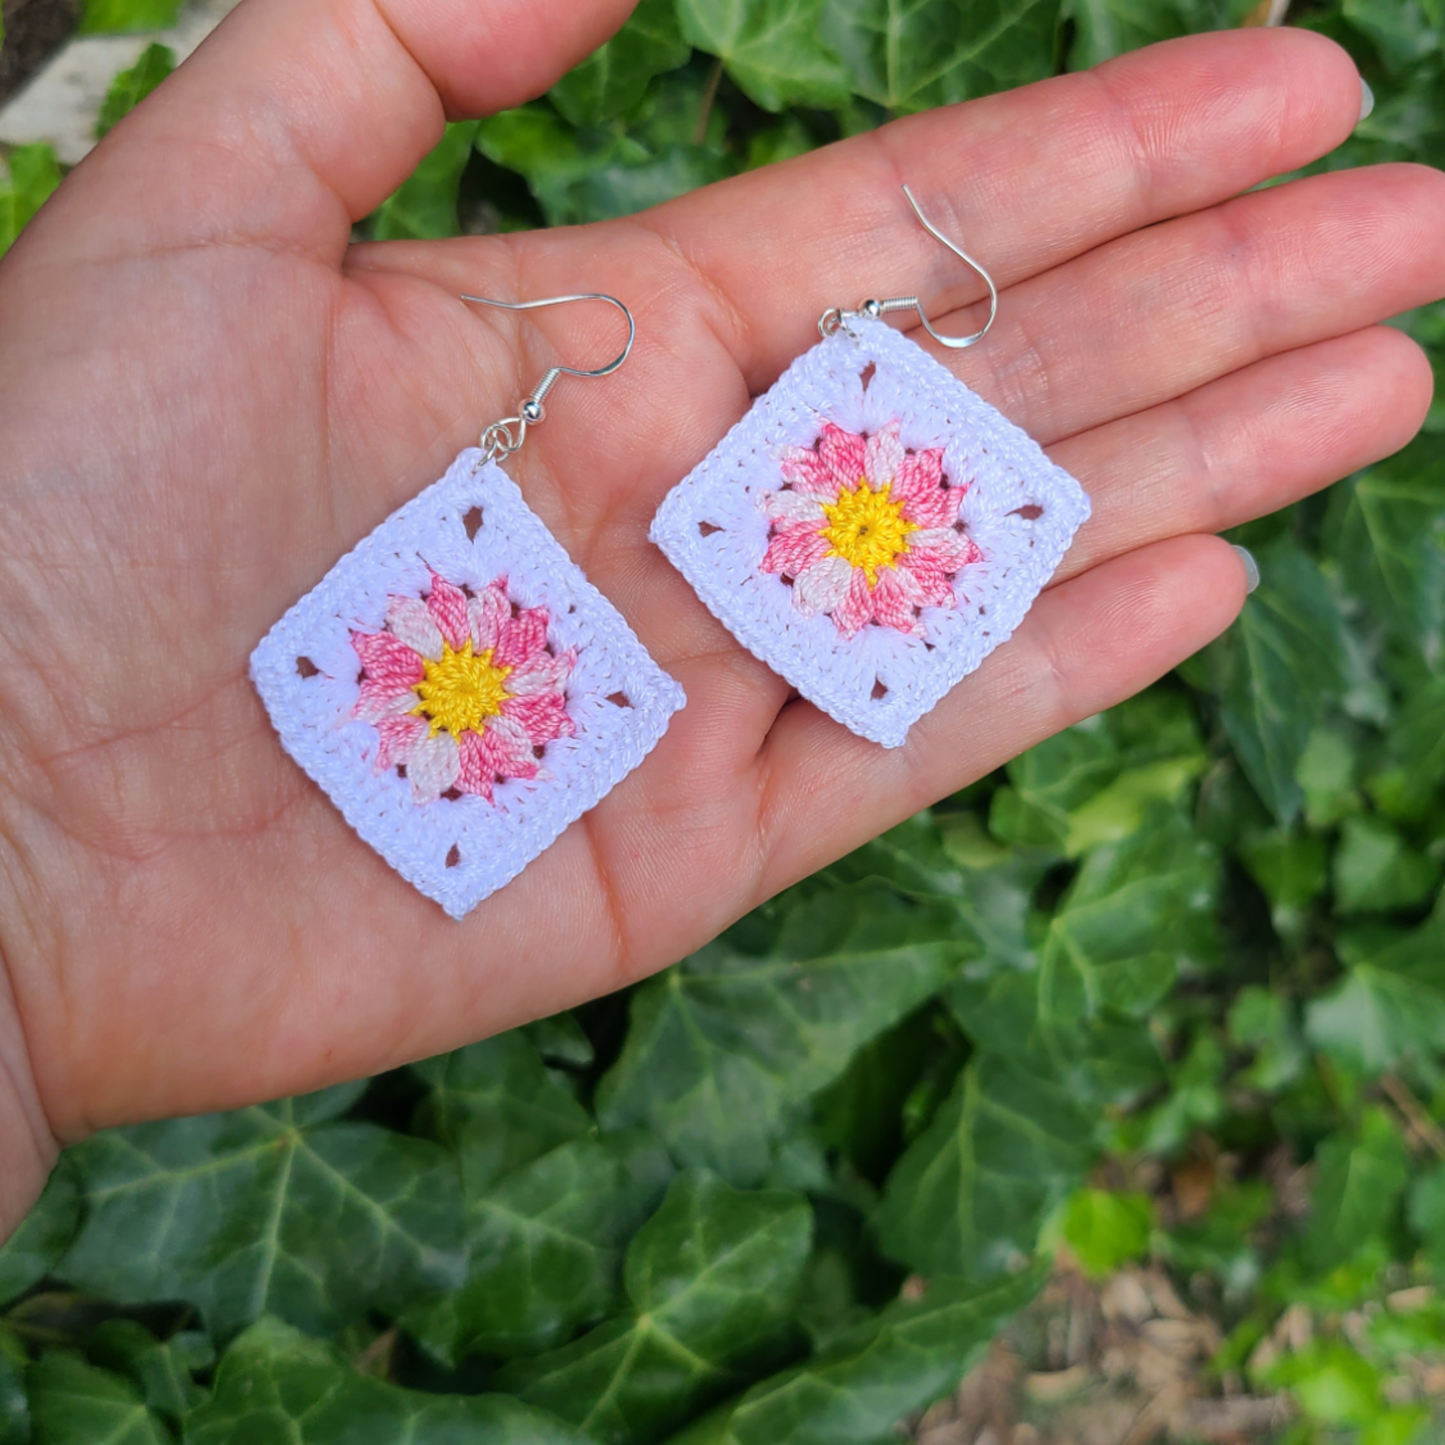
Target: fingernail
[1251, 568]
[1367, 99]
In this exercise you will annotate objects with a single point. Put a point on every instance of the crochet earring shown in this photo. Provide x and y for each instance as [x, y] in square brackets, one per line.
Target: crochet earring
[872, 529]
[455, 685]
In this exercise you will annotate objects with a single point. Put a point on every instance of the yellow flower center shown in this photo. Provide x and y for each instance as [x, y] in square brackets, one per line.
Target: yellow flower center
[866, 528]
[459, 691]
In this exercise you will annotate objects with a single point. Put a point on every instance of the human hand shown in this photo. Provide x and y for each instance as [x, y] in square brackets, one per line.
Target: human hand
[210, 396]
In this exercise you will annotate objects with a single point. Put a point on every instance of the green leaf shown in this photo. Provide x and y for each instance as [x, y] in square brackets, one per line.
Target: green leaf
[73, 1403]
[43, 1235]
[1136, 911]
[498, 1106]
[14, 1403]
[1264, 1022]
[1358, 1185]
[1418, 738]
[1106, 1230]
[613, 78]
[712, 1279]
[132, 86]
[164, 1371]
[561, 1040]
[969, 1195]
[933, 52]
[275, 1385]
[126, 17]
[270, 1209]
[425, 206]
[856, 1392]
[34, 175]
[1292, 867]
[724, 1047]
[1333, 1382]
[546, 1246]
[770, 48]
[1403, 31]
[1425, 1209]
[1276, 668]
[1389, 1007]
[1375, 870]
[1388, 528]
[1106, 28]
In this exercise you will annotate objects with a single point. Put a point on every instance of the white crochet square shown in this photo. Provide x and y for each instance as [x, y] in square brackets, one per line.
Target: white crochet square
[1019, 509]
[471, 527]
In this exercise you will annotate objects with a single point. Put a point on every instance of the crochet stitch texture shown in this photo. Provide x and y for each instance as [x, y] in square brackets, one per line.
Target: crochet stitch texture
[941, 522]
[379, 683]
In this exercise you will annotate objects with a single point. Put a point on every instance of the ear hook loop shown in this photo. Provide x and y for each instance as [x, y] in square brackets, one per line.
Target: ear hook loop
[504, 438]
[835, 317]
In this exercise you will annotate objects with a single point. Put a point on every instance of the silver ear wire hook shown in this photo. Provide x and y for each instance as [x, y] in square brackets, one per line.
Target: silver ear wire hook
[835, 317]
[504, 438]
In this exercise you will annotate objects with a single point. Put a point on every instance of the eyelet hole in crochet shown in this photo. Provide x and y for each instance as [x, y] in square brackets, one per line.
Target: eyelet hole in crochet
[472, 522]
[619, 699]
[454, 856]
[306, 668]
[1030, 513]
[880, 689]
[706, 529]
[867, 374]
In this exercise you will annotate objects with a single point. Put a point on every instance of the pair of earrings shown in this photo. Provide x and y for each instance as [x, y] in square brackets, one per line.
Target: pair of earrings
[871, 530]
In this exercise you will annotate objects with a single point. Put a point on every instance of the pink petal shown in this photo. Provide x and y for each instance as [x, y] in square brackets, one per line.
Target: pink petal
[409, 620]
[433, 766]
[793, 549]
[836, 463]
[383, 698]
[399, 736]
[488, 613]
[474, 772]
[543, 716]
[385, 657]
[448, 605]
[946, 555]
[821, 587]
[543, 673]
[928, 582]
[523, 636]
[856, 609]
[842, 452]
[793, 507]
[891, 606]
[882, 456]
[507, 750]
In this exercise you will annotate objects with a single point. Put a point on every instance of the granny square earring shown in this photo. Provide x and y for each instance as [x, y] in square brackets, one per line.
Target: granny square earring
[455, 685]
[871, 529]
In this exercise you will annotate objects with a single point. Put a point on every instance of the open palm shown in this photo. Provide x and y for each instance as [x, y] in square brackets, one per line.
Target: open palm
[209, 396]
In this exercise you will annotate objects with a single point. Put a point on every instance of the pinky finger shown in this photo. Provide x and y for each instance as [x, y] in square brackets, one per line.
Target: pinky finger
[1087, 644]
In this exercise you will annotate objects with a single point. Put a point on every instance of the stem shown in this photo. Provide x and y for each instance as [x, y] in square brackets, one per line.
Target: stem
[709, 96]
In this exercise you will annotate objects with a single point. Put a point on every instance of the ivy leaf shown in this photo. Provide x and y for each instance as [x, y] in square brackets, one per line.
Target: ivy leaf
[771, 49]
[1388, 530]
[34, 175]
[1376, 870]
[498, 1106]
[1106, 1230]
[425, 205]
[855, 1393]
[933, 52]
[73, 1403]
[275, 1208]
[43, 1235]
[546, 1248]
[1389, 1007]
[127, 17]
[164, 1370]
[613, 78]
[1357, 1187]
[132, 86]
[1134, 912]
[1106, 28]
[1403, 31]
[968, 1196]
[1275, 670]
[274, 1384]
[712, 1279]
[14, 1403]
[1418, 738]
[722, 1048]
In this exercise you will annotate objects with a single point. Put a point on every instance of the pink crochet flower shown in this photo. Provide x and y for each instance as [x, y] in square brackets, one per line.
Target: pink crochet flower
[463, 691]
[866, 531]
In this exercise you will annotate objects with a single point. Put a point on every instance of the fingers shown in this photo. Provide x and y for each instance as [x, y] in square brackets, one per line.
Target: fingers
[299, 116]
[1155, 314]
[1246, 445]
[1086, 645]
[1023, 180]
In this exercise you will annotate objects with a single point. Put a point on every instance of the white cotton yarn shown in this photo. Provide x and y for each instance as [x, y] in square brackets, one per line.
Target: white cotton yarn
[1020, 508]
[459, 850]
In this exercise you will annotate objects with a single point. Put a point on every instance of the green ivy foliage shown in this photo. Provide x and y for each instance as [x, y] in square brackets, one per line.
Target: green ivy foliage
[1207, 924]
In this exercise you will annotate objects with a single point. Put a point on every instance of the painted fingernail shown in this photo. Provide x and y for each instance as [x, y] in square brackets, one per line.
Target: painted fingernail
[1367, 99]
[1251, 568]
